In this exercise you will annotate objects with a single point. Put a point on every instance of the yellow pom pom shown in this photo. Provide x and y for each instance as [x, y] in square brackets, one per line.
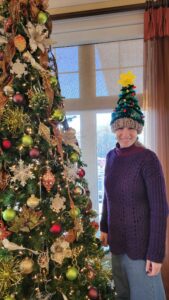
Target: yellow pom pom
[20, 43]
[127, 79]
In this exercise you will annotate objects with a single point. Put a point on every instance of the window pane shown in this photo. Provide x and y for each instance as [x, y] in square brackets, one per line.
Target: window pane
[105, 142]
[112, 59]
[131, 53]
[68, 68]
[67, 59]
[106, 83]
[107, 55]
[69, 85]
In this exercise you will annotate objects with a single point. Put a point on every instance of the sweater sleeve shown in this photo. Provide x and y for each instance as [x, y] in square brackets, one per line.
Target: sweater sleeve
[103, 222]
[156, 192]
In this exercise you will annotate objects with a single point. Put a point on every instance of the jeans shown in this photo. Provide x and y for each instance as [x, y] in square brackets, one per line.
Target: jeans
[132, 282]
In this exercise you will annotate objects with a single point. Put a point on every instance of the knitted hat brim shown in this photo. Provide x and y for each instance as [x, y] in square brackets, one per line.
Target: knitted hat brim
[126, 122]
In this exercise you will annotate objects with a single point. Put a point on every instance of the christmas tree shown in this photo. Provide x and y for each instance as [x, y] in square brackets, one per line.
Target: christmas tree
[48, 243]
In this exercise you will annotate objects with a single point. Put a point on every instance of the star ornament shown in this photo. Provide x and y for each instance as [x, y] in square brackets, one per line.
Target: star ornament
[3, 232]
[127, 79]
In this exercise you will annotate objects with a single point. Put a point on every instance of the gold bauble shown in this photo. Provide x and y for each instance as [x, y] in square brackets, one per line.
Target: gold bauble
[26, 265]
[32, 201]
[8, 90]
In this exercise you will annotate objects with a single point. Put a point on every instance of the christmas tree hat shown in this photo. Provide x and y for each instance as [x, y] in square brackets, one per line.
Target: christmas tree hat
[127, 112]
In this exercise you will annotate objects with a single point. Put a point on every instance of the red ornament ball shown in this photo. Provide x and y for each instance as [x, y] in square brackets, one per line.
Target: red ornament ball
[81, 172]
[6, 144]
[93, 293]
[95, 225]
[18, 98]
[56, 228]
[34, 153]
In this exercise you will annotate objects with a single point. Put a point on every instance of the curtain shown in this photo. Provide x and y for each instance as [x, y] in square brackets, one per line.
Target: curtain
[156, 91]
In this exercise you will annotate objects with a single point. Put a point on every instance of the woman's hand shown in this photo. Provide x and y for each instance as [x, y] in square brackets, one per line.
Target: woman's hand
[103, 238]
[152, 268]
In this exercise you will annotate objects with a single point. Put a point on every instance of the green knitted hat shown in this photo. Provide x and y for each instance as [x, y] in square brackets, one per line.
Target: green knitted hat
[127, 112]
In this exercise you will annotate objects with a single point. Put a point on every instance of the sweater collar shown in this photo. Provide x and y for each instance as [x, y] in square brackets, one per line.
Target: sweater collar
[135, 148]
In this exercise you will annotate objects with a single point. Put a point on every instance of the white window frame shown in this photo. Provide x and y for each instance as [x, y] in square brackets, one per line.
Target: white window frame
[92, 30]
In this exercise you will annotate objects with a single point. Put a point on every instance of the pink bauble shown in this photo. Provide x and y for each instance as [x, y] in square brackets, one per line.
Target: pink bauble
[34, 153]
[18, 98]
[93, 293]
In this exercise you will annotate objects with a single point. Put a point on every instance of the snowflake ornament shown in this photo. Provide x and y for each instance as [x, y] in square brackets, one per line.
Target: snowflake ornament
[58, 203]
[70, 172]
[22, 172]
[18, 68]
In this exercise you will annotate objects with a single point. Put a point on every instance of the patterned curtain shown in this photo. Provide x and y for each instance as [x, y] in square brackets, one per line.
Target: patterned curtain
[156, 91]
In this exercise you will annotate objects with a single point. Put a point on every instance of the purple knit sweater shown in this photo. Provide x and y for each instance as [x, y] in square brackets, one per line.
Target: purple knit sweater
[135, 207]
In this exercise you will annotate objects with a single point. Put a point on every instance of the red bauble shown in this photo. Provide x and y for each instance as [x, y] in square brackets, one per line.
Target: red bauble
[56, 228]
[93, 293]
[81, 172]
[34, 153]
[6, 144]
[18, 98]
[95, 225]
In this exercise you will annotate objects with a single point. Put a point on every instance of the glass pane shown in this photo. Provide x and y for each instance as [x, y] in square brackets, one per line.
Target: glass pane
[69, 85]
[107, 55]
[67, 59]
[68, 68]
[105, 142]
[114, 58]
[131, 53]
[106, 83]
[74, 122]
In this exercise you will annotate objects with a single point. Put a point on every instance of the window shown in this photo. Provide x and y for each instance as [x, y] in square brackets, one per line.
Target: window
[88, 76]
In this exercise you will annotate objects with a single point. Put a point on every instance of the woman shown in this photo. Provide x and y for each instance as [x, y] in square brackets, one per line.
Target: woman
[135, 210]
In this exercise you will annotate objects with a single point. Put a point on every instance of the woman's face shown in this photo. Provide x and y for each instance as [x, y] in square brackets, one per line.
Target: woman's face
[126, 136]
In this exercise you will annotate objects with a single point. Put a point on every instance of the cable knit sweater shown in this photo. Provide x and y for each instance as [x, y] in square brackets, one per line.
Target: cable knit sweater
[135, 207]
